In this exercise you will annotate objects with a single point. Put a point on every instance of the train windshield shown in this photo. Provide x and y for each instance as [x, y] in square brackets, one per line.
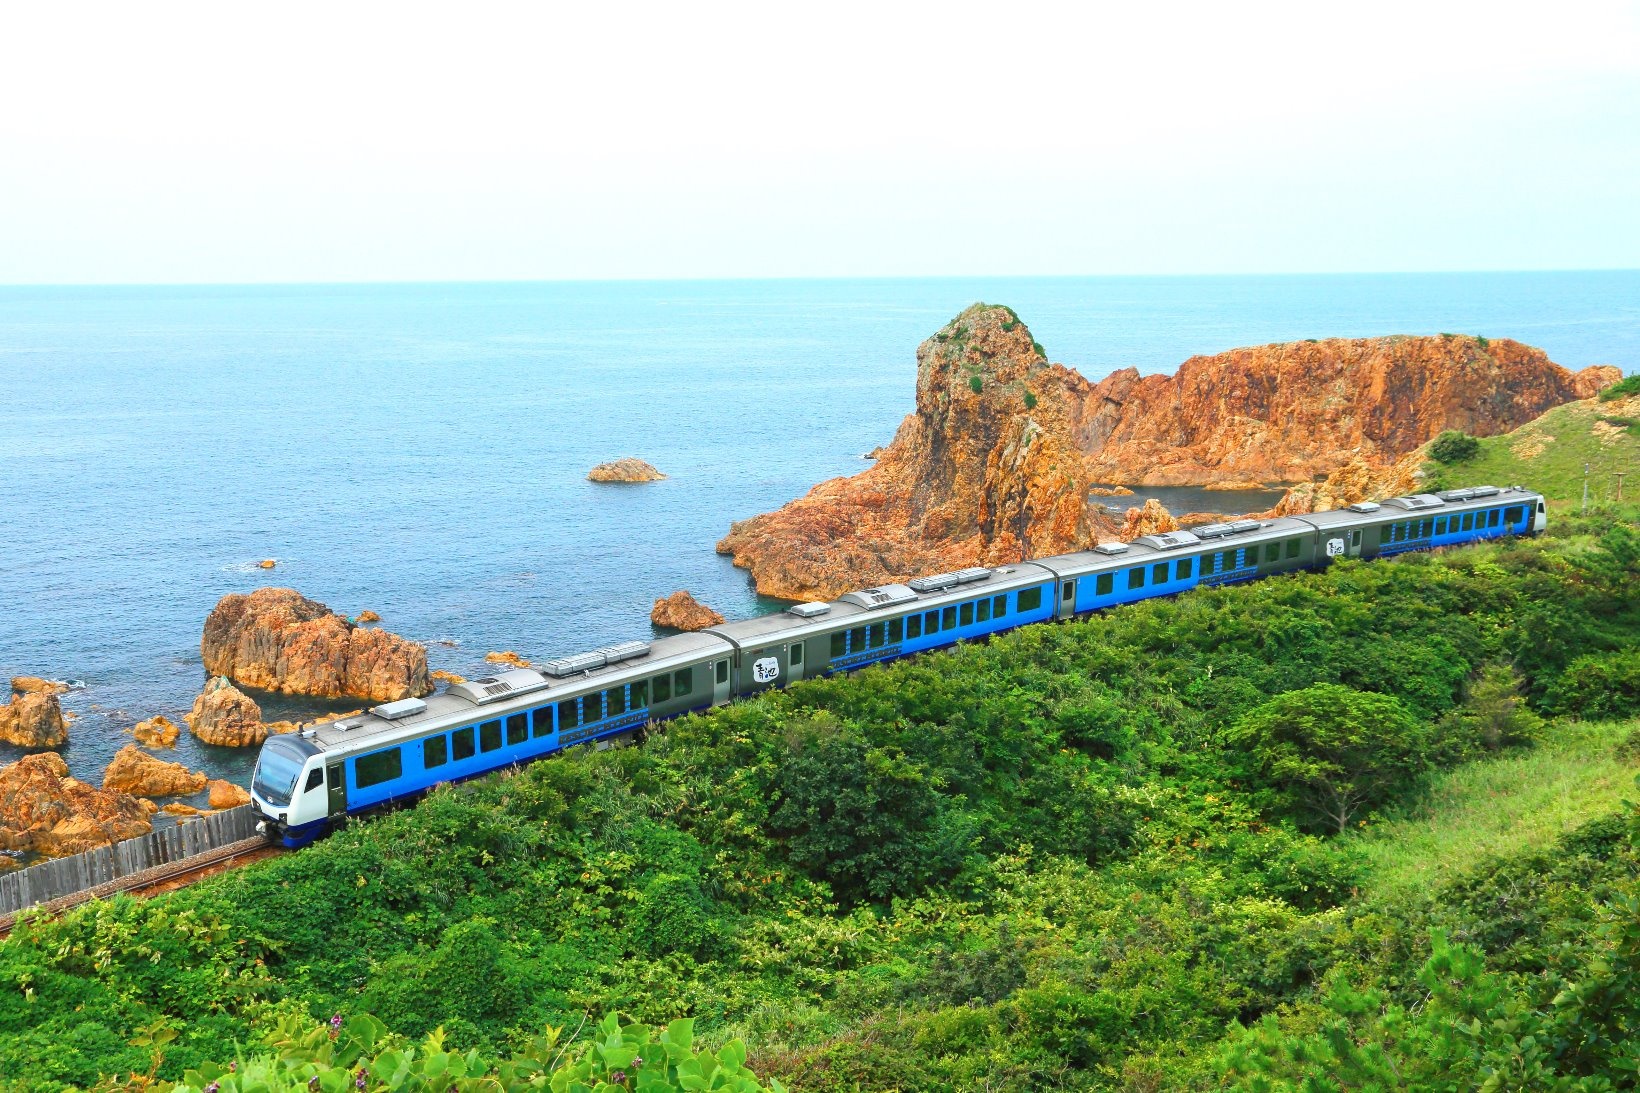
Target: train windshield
[276, 772]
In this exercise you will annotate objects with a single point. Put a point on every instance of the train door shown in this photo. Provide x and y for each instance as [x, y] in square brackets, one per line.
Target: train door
[796, 656]
[336, 781]
[1067, 598]
[722, 686]
[1354, 548]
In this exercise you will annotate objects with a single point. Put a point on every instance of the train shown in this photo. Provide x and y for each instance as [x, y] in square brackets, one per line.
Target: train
[307, 782]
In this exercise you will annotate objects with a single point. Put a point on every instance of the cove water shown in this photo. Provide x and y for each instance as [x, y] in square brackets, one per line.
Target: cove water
[422, 450]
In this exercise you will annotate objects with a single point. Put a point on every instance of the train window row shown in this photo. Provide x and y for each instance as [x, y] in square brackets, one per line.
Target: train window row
[1408, 530]
[880, 634]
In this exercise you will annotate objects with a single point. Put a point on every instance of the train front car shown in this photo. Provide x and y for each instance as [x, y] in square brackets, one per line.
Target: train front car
[288, 790]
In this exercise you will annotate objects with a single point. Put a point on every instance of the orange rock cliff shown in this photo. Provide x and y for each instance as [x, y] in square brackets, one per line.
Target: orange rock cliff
[985, 471]
[997, 462]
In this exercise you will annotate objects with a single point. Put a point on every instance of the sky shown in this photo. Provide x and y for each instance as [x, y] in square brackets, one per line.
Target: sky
[220, 142]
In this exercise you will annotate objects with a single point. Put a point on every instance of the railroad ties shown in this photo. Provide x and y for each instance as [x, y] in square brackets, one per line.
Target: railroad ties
[127, 864]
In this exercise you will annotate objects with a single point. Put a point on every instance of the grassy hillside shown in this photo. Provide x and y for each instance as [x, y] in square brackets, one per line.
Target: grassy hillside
[1109, 854]
[1549, 453]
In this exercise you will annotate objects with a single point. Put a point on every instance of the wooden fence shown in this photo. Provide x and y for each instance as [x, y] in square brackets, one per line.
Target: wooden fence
[51, 880]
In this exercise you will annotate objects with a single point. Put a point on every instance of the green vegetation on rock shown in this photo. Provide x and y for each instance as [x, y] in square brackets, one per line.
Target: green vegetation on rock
[1098, 855]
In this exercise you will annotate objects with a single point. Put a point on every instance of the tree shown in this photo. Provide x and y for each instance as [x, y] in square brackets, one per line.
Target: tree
[1331, 753]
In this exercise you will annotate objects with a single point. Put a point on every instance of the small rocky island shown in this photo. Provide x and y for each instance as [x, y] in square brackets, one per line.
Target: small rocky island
[625, 470]
[681, 611]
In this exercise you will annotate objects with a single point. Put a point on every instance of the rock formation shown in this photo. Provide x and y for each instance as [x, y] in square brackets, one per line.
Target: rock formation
[1288, 413]
[227, 795]
[276, 639]
[226, 716]
[158, 731]
[507, 657]
[985, 471]
[368, 615]
[681, 611]
[1357, 480]
[136, 772]
[451, 678]
[25, 685]
[624, 470]
[33, 719]
[44, 810]
[1151, 519]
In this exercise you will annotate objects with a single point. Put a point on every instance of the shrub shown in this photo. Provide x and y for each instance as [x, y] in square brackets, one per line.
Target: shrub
[1454, 446]
[1030, 400]
[1623, 388]
[1601, 686]
[975, 384]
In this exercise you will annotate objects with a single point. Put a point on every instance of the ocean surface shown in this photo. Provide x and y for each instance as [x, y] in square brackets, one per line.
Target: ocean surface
[421, 450]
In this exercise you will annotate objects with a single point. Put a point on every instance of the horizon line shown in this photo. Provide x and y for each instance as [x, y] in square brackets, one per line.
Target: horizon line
[798, 278]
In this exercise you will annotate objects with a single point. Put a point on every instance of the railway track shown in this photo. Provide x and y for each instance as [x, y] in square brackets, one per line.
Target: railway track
[159, 878]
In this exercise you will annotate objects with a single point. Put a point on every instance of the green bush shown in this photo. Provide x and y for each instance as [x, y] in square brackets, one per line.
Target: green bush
[975, 384]
[1623, 388]
[1599, 686]
[1454, 446]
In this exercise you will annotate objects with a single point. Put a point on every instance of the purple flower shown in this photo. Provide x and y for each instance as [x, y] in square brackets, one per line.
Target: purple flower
[359, 1081]
[232, 1066]
[212, 1088]
[336, 1021]
[619, 1077]
[313, 1083]
[637, 1063]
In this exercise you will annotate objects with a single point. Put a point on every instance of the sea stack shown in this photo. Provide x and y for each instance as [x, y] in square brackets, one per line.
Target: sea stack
[625, 470]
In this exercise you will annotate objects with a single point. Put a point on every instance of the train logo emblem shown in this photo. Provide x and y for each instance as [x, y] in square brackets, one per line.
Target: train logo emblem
[1335, 548]
[766, 670]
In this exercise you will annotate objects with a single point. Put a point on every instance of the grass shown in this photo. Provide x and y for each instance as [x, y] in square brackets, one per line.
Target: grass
[1548, 454]
[1498, 807]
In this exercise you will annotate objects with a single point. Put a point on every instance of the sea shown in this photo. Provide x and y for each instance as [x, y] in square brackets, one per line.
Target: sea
[421, 450]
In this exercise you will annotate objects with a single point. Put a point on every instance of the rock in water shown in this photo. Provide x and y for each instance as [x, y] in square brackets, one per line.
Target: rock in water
[986, 471]
[624, 470]
[368, 615]
[276, 639]
[136, 772]
[227, 795]
[227, 716]
[451, 678]
[24, 685]
[507, 657]
[681, 611]
[44, 810]
[1151, 519]
[158, 731]
[33, 719]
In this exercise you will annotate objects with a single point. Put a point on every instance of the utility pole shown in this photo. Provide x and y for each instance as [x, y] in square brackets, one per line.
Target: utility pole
[1585, 487]
[1619, 476]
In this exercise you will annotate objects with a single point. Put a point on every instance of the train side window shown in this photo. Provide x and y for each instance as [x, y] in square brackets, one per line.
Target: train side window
[1272, 552]
[569, 714]
[723, 671]
[592, 707]
[663, 688]
[839, 644]
[982, 609]
[435, 752]
[1030, 598]
[316, 777]
[1492, 518]
[856, 639]
[489, 736]
[683, 681]
[541, 721]
[913, 626]
[931, 622]
[1227, 560]
[948, 619]
[640, 694]
[518, 728]
[967, 613]
[896, 630]
[1512, 517]
[462, 745]
[1104, 584]
[1440, 525]
[1468, 521]
[1292, 548]
[1158, 573]
[1136, 578]
[617, 701]
[874, 636]
[999, 606]
[378, 767]
[882, 633]
[796, 654]
[1183, 569]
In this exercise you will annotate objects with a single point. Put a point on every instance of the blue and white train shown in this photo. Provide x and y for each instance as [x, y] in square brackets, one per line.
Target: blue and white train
[308, 781]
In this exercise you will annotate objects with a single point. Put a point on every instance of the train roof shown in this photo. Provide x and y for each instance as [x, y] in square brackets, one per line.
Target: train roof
[1418, 504]
[506, 692]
